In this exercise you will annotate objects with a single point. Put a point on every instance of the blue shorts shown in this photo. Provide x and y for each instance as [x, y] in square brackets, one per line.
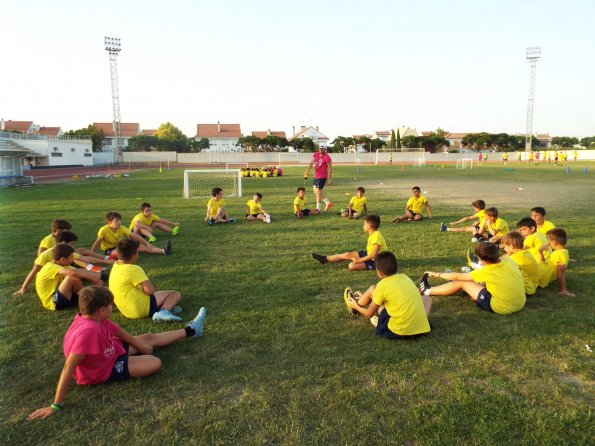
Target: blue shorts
[383, 330]
[120, 369]
[319, 183]
[61, 301]
[107, 252]
[370, 264]
[483, 300]
[153, 307]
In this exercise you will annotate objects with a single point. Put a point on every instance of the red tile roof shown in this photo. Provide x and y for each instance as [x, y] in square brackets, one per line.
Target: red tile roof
[19, 126]
[149, 132]
[218, 131]
[264, 134]
[127, 129]
[383, 133]
[49, 131]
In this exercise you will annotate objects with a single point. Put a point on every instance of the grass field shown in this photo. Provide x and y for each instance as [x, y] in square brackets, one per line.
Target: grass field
[281, 361]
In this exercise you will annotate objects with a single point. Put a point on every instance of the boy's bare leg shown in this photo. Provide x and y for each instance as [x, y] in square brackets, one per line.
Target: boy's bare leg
[143, 365]
[407, 216]
[142, 229]
[342, 257]
[319, 196]
[167, 299]
[162, 226]
[472, 229]
[69, 286]
[359, 266]
[427, 300]
[366, 298]
[151, 249]
[452, 288]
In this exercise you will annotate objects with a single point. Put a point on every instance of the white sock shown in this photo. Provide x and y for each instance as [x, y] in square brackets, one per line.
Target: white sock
[326, 201]
[427, 292]
[476, 265]
[318, 206]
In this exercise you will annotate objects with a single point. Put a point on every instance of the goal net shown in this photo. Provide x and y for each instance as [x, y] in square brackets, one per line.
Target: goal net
[199, 183]
[463, 163]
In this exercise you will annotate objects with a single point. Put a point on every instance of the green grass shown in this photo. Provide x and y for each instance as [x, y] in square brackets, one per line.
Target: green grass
[281, 362]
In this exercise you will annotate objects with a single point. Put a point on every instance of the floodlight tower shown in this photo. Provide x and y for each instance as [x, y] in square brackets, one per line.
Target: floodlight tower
[113, 48]
[533, 56]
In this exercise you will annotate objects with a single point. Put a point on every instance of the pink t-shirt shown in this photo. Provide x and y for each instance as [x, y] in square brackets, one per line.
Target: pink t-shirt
[95, 340]
[321, 165]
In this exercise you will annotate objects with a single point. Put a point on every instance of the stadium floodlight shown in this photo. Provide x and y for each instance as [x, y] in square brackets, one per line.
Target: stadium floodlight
[533, 56]
[113, 47]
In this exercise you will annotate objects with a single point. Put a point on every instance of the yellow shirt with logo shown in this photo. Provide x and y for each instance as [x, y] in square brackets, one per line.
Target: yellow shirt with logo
[141, 217]
[255, 208]
[299, 204]
[529, 269]
[548, 270]
[357, 204]
[402, 301]
[125, 283]
[47, 256]
[47, 282]
[416, 205]
[535, 241]
[505, 283]
[499, 228]
[375, 238]
[215, 205]
[111, 238]
[48, 242]
[546, 226]
[482, 217]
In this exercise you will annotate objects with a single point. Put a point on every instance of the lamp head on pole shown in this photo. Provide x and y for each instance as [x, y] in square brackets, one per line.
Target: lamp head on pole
[112, 45]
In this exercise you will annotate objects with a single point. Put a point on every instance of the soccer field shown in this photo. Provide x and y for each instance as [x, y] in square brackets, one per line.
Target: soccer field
[281, 361]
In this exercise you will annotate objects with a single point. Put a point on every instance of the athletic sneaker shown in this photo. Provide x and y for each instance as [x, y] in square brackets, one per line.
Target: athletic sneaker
[328, 206]
[424, 284]
[210, 221]
[374, 321]
[175, 230]
[164, 315]
[168, 248]
[357, 295]
[198, 322]
[443, 227]
[268, 218]
[176, 310]
[347, 294]
[152, 239]
[321, 259]
[471, 258]
[474, 240]
[232, 220]
[113, 255]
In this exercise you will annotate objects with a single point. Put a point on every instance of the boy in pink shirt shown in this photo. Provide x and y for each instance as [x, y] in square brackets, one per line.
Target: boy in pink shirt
[323, 172]
[97, 350]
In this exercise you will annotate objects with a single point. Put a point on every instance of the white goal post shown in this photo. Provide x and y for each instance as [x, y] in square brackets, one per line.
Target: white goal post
[462, 163]
[199, 183]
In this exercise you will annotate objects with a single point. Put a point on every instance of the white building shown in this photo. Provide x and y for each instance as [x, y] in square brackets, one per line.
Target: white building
[313, 133]
[127, 131]
[222, 137]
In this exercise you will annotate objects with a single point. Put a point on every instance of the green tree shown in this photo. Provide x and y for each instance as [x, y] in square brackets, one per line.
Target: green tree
[96, 135]
[398, 138]
[250, 143]
[198, 145]
[588, 141]
[564, 141]
[171, 138]
[410, 142]
[142, 143]
[303, 144]
[274, 143]
[342, 143]
[392, 144]
[365, 142]
[377, 143]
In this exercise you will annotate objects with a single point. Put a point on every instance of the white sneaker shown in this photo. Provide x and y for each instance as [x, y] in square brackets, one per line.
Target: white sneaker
[374, 321]
[474, 240]
[268, 218]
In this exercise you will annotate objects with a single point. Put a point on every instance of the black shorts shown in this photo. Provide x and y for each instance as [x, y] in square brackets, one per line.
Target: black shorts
[253, 215]
[61, 302]
[153, 307]
[383, 330]
[483, 300]
[370, 264]
[120, 370]
[319, 183]
[304, 211]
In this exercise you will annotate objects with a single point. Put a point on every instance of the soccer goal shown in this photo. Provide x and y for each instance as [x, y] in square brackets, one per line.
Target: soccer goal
[463, 163]
[199, 183]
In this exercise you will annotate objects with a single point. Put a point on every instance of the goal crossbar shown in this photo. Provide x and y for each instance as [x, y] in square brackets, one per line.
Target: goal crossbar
[198, 183]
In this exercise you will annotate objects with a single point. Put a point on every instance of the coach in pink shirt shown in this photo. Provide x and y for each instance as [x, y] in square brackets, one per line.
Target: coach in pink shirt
[323, 172]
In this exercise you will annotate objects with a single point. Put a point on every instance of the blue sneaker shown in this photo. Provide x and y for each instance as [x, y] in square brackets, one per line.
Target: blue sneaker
[443, 227]
[210, 221]
[165, 315]
[176, 310]
[233, 220]
[198, 322]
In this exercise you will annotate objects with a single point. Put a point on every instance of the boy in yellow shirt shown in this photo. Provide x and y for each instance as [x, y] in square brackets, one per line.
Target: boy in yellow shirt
[401, 312]
[479, 208]
[110, 234]
[145, 222]
[533, 240]
[299, 205]
[357, 206]
[414, 207]
[543, 225]
[513, 246]
[57, 283]
[255, 210]
[134, 294]
[216, 212]
[494, 228]
[49, 241]
[554, 266]
[364, 259]
[496, 287]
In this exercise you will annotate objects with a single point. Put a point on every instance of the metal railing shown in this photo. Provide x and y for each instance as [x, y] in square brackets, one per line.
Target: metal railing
[30, 136]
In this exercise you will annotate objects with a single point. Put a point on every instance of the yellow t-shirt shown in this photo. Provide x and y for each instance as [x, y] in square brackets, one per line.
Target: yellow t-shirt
[504, 282]
[499, 228]
[482, 217]
[48, 242]
[415, 205]
[548, 270]
[47, 256]
[299, 204]
[546, 226]
[357, 204]
[141, 217]
[215, 205]
[111, 238]
[535, 241]
[402, 301]
[529, 269]
[375, 238]
[47, 282]
[125, 283]
[255, 208]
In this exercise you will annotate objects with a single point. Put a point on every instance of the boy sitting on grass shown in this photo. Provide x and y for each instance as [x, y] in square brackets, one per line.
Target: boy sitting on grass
[357, 206]
[554, 266]
[97, 350]
[533, 240]
[109, 235]
[58, 283]
[414, 207]
[479, 208]
[49, 241]
[543, 225]
[145, 222]
[47, 256]
[299, 205]
[496, 287]
[216, 209]
[134, 294]
[364, 259]
[401, 312]
[513, 246]
[494, 228]
[255, 210]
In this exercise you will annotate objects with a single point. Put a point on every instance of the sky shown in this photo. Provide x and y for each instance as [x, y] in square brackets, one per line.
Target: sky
[348, 67]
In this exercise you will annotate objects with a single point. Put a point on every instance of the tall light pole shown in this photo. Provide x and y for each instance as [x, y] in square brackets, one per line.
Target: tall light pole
[533, 56]
[113, 48]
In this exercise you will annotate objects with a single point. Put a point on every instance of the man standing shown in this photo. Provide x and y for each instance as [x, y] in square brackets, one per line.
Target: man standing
[323, 172]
